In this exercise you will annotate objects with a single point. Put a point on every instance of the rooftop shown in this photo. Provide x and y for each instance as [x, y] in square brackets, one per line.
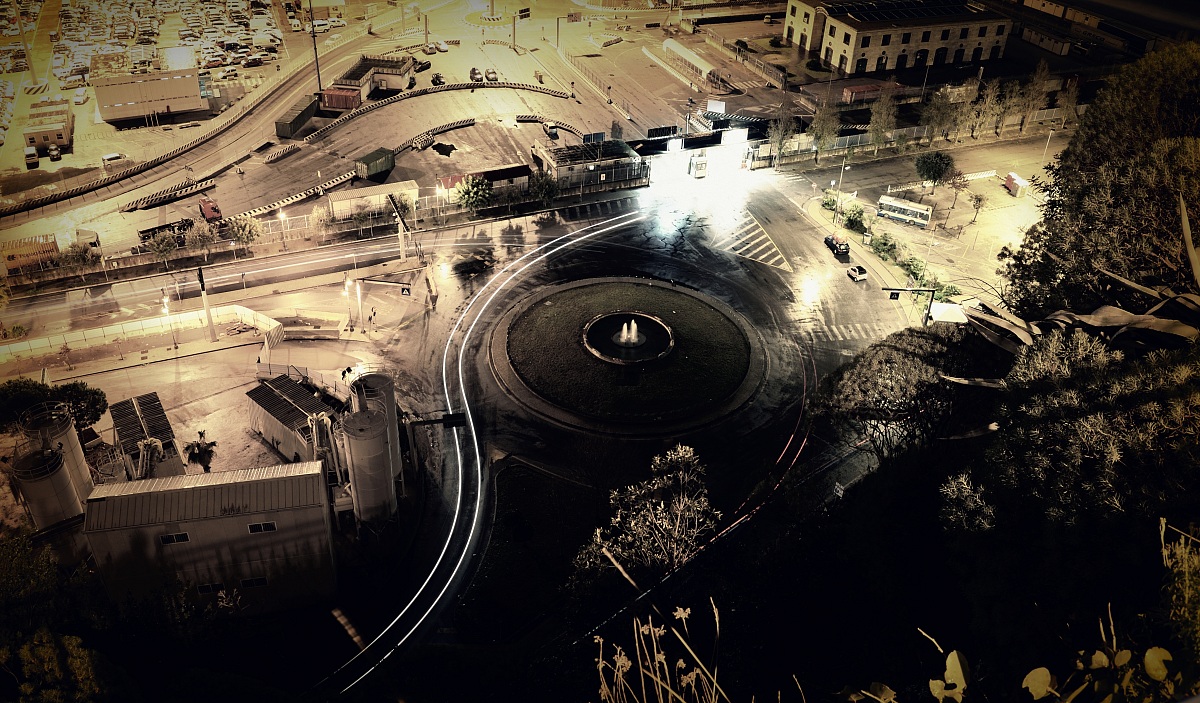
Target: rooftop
[904, 12]
[596, 151]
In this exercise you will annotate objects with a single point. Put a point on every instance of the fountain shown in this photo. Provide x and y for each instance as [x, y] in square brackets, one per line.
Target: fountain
[628, 337]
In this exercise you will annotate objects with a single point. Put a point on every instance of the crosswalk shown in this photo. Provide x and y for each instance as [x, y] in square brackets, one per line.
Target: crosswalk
[748, 85]
[852, 331]
[749, 240]
[587, 211]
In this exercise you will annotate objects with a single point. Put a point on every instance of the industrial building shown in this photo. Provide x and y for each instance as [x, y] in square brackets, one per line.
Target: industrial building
[50, 122]
[345, 204]
[854, 37]
[144, 83]
[604, 165]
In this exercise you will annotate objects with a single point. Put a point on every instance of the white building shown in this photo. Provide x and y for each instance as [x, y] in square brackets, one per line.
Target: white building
[265, 532]
[140, 85]
[344, 204]
[854, 36]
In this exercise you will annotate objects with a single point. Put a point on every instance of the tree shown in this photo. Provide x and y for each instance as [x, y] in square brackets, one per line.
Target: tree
[1033, 97]
[1112, 197]
[245, 230]
[510, 197]
[201, 236]
[883, 120]
[1067, 100]
[163, 246]
[892, 394]
[319, 221]
[935, 167]
[200, 451]
[986, 108]
[404, 206]
[939, 115]
[958, 181]
[824, 130]
[658, 524]
[78, 258]
[360, 218]
[616, 130]
[978, 200]
[1009, 102]
[20, 394]
[780, 130]
[87, 404]
[1086, 431]
[473, 193]
[543, 188]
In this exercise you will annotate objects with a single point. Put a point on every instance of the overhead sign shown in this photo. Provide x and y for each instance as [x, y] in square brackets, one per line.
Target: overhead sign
[593, 137]
[717, 106]
[523, 13]
[574, 16]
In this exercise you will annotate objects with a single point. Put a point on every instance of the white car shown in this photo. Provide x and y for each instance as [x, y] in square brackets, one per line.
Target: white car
[857, 273]
[337, 22]
[441, 46]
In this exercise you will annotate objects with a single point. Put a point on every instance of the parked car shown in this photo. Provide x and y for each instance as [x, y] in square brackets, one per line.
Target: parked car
[81, 96]
[857, 273]
[429, 48]
[476, 75]
[54, 152]
[227, 74]
[490, 74]
[251, 62]
[337, 22]
[437, 79]
[422, 66]
[441, 46]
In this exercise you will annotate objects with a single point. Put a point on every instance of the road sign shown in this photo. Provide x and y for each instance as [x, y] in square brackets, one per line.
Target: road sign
[838, 490]
[405, 289]
[574, 16]
[894, 295]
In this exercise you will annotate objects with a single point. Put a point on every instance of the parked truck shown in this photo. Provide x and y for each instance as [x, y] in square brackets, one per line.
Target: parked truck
[177, 227]
[292, 121]
[381, 160]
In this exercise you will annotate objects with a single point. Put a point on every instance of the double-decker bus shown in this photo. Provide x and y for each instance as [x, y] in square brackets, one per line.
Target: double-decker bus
[905, 211]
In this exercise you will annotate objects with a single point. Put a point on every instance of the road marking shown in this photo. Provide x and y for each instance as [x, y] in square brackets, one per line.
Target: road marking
[749, 240]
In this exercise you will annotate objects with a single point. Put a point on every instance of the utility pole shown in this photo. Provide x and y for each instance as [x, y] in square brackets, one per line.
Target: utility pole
[212, 331]
[312, 30]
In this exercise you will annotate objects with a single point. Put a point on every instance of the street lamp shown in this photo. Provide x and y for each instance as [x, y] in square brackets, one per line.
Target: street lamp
[346, 295]
[166, 309]
[283, 228]
[837, 204]
[1047, 147]
[358, 292]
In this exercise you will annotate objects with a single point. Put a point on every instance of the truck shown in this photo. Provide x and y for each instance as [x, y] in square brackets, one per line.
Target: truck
[32, 160]
[177, 227]
[210, 210]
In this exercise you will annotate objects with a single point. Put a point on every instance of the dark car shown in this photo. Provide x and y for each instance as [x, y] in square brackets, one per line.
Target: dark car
[422, 66]
[437, 79]
[490, 74]
[476, 75]
[837, 245]
[252, 62]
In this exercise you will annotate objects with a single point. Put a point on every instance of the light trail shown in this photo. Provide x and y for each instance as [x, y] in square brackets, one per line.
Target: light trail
[533, 256]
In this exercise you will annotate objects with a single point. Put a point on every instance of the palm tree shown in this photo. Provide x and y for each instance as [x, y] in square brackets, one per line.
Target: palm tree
[200, 451]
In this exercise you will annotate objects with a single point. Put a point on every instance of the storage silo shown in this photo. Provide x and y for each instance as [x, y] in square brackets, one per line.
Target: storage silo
[376, 391]
[368, 446]
[51, 425]
[45, 484]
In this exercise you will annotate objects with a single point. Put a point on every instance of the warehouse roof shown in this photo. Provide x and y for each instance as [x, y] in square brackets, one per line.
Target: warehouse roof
[373, 191]
[287, 401]
[204, 496]
[904, 12]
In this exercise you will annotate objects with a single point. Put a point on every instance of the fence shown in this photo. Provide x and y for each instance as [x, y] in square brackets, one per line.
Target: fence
[772, 74]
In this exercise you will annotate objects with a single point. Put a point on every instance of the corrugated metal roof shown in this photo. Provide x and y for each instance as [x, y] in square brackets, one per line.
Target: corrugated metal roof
[371, 191]
[140, 418]
[203, 496]
[287, 401]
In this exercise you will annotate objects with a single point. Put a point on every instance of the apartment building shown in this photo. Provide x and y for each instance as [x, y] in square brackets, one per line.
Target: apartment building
[855, 37]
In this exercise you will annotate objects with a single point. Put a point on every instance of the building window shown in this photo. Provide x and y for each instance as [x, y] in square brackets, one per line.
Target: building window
[846, 38]
[257, 582]
[59, 135]
[1000, 31]
[887, 39]
[964, 32]
[805, 18]
[792, 10]
[257, 527]
[983, 31]
[175, 538]
[906, 37]
[866, 42]
[206, 588]
[925, 36]
[832, 31]
[945, 34]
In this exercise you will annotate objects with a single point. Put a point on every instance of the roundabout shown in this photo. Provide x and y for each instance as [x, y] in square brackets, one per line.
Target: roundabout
[628, 356]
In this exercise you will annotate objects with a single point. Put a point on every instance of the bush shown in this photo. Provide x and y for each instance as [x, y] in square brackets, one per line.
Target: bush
[852, 218]
[776, 42]
[816, 65]
[945, 291]
[828, 200]
[885, 247]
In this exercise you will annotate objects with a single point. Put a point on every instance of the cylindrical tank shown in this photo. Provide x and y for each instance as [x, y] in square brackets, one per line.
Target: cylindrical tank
[45, 484]
[376, 391]
[51, 425]
[368, 447]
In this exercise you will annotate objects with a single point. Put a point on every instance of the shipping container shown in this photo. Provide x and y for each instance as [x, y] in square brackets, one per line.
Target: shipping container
[340, 99]
[292, 121]
[382, 160]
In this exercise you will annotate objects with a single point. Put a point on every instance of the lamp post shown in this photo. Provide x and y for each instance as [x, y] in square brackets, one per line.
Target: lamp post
[1047, 147]
[926, 78]
[358, 292]
[283, 228]
[346, 295]
[166, 309]
[837, 204]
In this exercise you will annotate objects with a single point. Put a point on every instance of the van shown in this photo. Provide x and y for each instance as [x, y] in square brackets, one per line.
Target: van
[32, 160]
[109, 158]
[320, 26]
[80, 96]
[295, 25]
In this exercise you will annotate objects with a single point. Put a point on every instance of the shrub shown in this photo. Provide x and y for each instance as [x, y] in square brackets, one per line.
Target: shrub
[776, 42]
[816, 65]
[885, 247]
[829, 199]
[852, 217]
